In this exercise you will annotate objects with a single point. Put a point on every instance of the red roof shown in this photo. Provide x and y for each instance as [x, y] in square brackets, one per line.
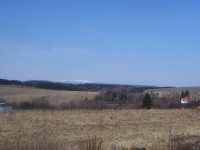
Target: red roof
[185, 100]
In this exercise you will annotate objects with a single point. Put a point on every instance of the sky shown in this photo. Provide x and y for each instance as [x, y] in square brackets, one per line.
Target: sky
[139, 42]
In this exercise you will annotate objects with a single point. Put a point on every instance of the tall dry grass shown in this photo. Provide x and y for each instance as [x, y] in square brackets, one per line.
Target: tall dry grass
[28, 144]
[119, 129]
[93, 143]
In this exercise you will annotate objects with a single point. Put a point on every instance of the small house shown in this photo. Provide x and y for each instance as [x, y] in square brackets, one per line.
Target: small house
[5, 108]
[185, 100]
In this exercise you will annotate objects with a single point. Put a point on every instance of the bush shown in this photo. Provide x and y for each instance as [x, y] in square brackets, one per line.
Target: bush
[182, 142]
[25, 105]
[39, 103]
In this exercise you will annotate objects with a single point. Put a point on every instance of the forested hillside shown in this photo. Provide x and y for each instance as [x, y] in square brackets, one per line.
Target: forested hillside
[72, 87]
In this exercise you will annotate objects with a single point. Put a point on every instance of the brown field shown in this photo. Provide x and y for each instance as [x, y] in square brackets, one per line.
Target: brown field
[69, 129]
[126, 128]
[20, 94]
[194, 92]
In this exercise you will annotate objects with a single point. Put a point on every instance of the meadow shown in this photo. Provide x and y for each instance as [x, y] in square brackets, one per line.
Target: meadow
[118, 129]
[76, 129]
[194, 91]
[19, 94]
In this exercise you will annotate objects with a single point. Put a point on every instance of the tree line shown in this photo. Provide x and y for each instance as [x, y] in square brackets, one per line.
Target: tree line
[68, 86]
[109, 97]
[133, 99]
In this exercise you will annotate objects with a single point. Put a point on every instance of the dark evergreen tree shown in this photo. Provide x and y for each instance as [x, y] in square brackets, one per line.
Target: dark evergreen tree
[187, 93]
[147, 102]
[182, 94]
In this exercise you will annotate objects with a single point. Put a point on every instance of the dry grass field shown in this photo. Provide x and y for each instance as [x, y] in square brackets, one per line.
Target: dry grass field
[21, 94]
[117, 128]
[194, 91]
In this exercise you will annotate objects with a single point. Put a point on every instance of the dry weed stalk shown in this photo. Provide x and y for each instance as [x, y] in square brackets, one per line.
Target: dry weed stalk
[93, 143]
[28, 144]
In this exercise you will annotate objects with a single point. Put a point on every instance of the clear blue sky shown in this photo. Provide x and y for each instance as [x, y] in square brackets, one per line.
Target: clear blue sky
[112, 41]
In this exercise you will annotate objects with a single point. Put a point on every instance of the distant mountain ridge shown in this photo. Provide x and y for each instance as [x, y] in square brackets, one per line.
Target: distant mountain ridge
[93, 82]
[75, 85]
[75, 81]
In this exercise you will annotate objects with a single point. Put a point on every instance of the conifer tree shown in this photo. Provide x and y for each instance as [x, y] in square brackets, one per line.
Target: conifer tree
[187, 93]
[182, 94]
[147, 102]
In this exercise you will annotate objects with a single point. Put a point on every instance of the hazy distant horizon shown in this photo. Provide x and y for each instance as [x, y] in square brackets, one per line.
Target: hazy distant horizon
[117, 42]
[97, 82]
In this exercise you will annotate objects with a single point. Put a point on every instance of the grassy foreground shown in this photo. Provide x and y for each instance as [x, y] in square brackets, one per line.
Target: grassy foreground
[117, 128]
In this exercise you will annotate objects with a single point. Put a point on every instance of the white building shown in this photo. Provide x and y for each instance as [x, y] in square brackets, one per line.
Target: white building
[5, 108]
[185, 100]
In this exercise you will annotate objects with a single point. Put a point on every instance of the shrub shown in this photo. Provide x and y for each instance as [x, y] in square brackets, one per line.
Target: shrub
[184, 143]
[25, 105]
[39, 103]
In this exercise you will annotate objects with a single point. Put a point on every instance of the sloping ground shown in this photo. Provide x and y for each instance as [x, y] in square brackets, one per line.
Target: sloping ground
[22, 93]
[194, 91]
[178, 89]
